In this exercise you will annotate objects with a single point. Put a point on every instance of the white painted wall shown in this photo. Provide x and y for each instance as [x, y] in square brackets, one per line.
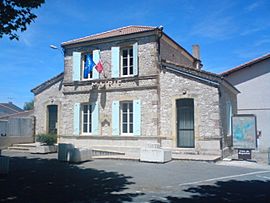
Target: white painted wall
[254, 84]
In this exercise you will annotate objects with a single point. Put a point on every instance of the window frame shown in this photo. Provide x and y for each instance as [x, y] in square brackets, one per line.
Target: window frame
[89, 119]
[129, 58]
[83, 59]
[128, 133]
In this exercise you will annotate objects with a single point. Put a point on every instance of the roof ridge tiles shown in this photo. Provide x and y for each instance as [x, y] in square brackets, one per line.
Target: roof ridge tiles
[106, 32]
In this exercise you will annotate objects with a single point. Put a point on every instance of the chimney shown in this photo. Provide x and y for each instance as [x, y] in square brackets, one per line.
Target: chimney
[196, 55]
[196, 51]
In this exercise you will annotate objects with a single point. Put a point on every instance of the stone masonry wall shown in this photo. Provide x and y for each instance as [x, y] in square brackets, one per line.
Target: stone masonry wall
[171, 54]
[206, 110]
[147, 54]
[148, 109]
[52, 95]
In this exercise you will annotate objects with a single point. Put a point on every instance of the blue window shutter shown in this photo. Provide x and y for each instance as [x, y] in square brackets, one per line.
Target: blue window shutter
[76, 119]
[135, 58]
[96, 57]
[95, 118]
[115, 118]
[115, 62]
[76, 72]
[137, 117]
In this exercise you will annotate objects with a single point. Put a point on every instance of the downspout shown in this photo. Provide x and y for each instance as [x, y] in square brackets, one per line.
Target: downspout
[160, 33]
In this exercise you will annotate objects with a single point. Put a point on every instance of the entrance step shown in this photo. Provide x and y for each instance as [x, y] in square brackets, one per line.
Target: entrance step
[24, 147]
[18, 149]
[101, 152]
[196, 157]
[30, 145]
[117, 157]
[184, 151]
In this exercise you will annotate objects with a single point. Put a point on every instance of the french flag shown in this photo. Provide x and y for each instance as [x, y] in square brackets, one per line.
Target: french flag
[99, 67]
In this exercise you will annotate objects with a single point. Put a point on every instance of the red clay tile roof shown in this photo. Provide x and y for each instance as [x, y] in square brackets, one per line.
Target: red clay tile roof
[247, 64]
[112, 33]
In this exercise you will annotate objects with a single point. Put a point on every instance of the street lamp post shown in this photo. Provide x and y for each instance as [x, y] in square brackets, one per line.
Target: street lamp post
[55, 47]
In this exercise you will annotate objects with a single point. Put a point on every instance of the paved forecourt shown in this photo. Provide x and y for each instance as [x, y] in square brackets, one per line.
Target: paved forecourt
[132, 181]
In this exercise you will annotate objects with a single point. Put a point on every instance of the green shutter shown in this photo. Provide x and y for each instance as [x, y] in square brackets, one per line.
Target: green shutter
[96, 58]
[76, 119]
[135, 58]
[115, 118]
[115, 61]
[95, 118]
[137, 117]
[76, 71]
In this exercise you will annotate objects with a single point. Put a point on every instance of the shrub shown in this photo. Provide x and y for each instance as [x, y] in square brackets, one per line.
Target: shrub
[48, 139]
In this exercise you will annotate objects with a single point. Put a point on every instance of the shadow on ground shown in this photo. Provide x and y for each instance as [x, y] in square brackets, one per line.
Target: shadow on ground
[229, 191]
[48, 180]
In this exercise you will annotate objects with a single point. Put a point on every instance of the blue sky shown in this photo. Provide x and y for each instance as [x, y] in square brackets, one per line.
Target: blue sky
[228, 32]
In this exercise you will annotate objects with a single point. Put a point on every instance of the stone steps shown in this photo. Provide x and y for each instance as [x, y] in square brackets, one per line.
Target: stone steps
[23, 147]
[196, 157]
[102, 152]
[18, 149]
[31, 145]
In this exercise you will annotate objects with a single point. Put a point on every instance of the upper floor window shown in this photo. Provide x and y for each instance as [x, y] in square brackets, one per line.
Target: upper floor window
[86, 75]
[127, 61]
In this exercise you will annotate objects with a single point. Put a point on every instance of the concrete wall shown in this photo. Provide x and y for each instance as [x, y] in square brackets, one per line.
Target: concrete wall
[253, 83]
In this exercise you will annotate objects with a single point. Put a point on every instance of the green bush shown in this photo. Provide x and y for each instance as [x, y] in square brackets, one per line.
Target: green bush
[48, 139]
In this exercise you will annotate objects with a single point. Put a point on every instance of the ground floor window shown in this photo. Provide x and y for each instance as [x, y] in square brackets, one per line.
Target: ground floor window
[86, 118]
[127, 117]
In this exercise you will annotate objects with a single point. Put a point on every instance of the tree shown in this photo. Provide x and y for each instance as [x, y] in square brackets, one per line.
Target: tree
[28, 105]
[15, 15]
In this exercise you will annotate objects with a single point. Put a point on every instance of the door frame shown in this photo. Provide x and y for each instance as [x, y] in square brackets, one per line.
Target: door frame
[178, 134]
[174, 119]
[45, 121]
[48, 117]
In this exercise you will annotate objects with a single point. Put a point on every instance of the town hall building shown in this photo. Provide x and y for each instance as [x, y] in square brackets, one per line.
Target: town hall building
[149, 90]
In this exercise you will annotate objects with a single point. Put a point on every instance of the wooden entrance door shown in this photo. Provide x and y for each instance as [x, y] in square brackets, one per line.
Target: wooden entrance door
[185, 123]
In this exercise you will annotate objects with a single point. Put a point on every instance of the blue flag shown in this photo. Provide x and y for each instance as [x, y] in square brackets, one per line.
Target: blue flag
[88, 65]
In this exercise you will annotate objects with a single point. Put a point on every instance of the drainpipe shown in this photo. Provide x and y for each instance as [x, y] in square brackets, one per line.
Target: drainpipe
[160, 33]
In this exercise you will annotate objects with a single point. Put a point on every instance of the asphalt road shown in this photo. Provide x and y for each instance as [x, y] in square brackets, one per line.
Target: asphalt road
[41, 178]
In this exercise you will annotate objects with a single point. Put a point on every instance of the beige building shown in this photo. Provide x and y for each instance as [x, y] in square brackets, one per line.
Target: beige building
[150, 90]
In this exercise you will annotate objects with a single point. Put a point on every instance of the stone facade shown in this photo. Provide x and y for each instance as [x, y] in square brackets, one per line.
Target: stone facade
[156, 88]
[50, 96]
